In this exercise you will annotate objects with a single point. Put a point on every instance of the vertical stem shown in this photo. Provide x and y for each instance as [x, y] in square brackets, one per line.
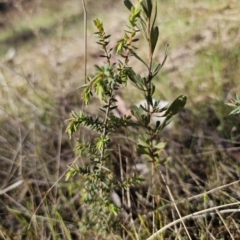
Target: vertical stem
[128, 195]
[85, 40]
[122, 179]
[129, 205]
[149, 114]
[153, 200]
[109, 102]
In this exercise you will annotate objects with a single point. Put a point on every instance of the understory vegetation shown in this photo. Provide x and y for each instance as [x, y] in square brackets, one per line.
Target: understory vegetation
[116, 120]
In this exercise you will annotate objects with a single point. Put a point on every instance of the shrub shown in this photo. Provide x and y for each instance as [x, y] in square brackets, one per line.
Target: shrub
[97, 177]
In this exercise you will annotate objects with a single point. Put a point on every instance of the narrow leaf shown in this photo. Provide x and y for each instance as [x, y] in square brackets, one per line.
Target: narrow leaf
[235, 111]
[155, 69]
[154, 38]
[155, 15]
[231, 104]
[128, 4]
[142, 27]
[177, 105]
[136, 56]
[147, 7]
[165, 58]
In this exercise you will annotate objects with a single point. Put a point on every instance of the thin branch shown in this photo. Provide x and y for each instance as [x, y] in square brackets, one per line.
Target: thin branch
[85, 41]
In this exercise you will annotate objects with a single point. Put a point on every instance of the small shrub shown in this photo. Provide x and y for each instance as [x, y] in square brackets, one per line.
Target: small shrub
[97, 178]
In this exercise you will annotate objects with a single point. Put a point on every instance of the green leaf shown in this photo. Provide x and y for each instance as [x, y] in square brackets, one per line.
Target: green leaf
[231, 104]
[149, 100]
[144, 108]
[152, 89]
[157, 126]
[113, 209]
[137, 112]
[136, 56]
[143, 150]
[155, 69]
[165, 58]
[177, 105]
[120, 45]
[235, 111]
[142, 27]
[99, 25]
[160, 145]
[165, 122]
[135, 78]
[100, 89]
[164, 108]
[128, 4]
[155, 15]
[83, 86]
[154, 38]
[135, 14]
[147, 7]
[74, 114]
[142, 142]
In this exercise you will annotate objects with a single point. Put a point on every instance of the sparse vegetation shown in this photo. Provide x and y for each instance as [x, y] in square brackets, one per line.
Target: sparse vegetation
[39, 89]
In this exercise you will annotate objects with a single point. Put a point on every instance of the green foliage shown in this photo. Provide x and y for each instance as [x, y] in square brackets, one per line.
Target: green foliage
[236, 104]
[97, 177]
